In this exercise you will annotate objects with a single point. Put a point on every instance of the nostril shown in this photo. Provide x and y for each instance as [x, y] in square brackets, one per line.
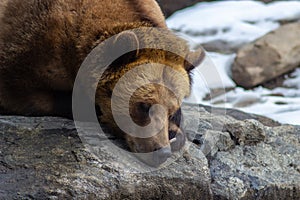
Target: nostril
[172, 134]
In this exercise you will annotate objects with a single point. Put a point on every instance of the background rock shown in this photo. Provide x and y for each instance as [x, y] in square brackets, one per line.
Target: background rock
[269, 57]
[222, 46]
[171, 6]
[43, 158]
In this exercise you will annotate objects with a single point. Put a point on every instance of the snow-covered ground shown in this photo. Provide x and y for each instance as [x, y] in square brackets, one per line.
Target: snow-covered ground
[239, 22]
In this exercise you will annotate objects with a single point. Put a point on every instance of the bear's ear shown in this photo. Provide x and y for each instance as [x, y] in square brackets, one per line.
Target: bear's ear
[194, 59]
[127, 41]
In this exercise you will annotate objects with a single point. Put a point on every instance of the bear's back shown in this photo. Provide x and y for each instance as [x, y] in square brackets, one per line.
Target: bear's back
[39, 36]
[125, 11]
[44, 42]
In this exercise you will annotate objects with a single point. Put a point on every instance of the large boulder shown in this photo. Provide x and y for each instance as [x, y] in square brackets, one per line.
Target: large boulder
[44, 158]
[247, 160]
[170, 6]
[268, 57]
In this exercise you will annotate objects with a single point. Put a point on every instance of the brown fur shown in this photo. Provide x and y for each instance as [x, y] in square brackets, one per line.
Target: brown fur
[44, 42]
[150, 94]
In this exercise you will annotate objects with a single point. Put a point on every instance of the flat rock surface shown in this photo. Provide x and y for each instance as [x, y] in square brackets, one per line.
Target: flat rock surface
[44, 158]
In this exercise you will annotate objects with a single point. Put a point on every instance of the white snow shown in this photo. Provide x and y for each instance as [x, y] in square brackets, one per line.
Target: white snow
[295, 81]
[239, 22]
[233, 21]
[207, 76]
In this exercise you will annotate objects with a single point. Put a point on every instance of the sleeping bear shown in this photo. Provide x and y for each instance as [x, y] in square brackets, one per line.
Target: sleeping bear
[44, 42]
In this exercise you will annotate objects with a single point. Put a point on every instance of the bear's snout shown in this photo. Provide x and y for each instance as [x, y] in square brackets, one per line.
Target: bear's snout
[176, 136]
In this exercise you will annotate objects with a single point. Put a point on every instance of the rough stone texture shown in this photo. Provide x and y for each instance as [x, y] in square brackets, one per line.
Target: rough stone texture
[240, 115]
[264, 165]
[249, 132]
[43, 158]
[269, 57]
[267, 170]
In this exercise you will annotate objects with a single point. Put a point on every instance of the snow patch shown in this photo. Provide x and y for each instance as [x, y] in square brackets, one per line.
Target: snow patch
[238, 22]
[232, 21]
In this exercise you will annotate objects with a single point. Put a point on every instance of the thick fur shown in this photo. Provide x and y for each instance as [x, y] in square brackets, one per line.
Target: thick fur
[44, 42]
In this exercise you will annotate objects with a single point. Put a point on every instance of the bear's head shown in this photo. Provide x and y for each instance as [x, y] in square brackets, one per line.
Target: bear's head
[141, 92]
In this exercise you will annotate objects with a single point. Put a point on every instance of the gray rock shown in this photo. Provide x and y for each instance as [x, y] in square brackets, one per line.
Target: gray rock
[269, 57]
[259, 163]
[215, 141]
[267, 170]
[249, 132]
[171, 6]
[223, 46]
[44, 158]
[240, 115]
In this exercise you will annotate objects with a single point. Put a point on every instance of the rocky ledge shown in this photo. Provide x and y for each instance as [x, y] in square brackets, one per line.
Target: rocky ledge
[44, 158]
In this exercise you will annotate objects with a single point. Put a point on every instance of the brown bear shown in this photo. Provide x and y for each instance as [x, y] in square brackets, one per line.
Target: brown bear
[44, 42]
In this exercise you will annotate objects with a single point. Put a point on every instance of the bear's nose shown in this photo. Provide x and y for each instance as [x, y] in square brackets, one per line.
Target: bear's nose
[162, 154]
